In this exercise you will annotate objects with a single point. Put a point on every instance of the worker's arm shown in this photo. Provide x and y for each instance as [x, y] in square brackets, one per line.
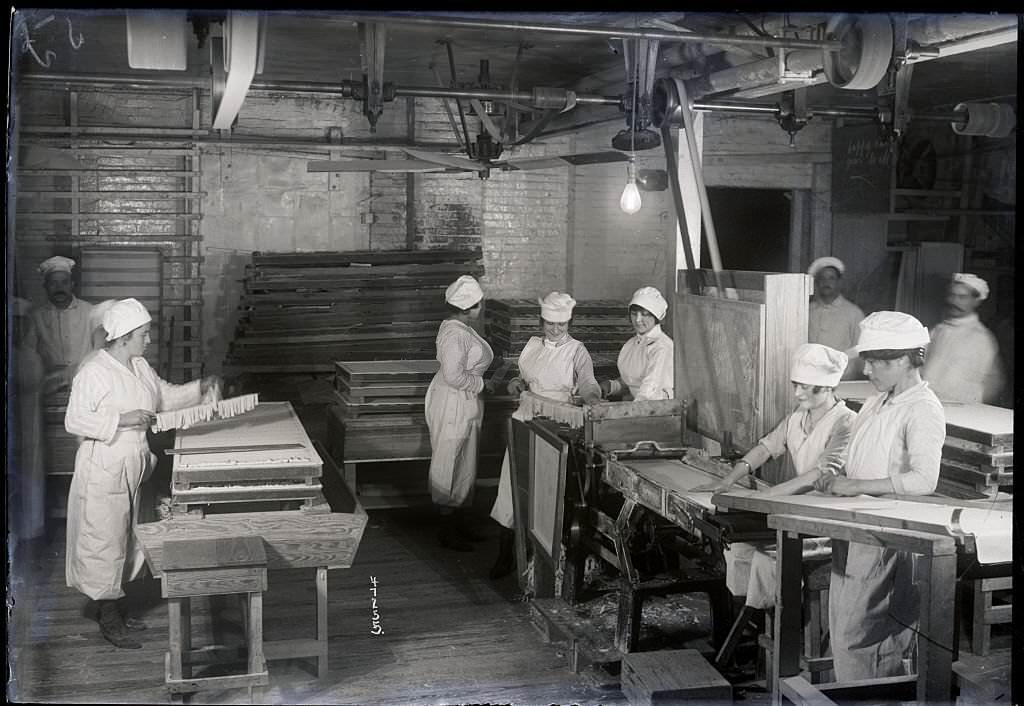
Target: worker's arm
[751, 461]
[830, 462]
[583, 374]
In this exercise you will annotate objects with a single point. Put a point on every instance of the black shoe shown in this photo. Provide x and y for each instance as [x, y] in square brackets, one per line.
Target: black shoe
[463, 530]
[449, 537]
[506, 561]
[112, 627]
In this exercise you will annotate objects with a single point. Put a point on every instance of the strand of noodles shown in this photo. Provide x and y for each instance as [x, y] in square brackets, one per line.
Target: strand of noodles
[563, 412]
[190, 416]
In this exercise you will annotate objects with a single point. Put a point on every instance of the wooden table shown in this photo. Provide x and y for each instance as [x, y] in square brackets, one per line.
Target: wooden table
[292, 540]
[931, 526]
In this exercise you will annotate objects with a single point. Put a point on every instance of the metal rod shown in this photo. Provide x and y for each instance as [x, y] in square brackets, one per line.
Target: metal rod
[482, 94]
[592, 31]
[462, 114]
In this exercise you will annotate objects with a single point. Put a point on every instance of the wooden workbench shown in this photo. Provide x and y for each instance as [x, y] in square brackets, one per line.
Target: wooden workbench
[931, 526]
[292, 540]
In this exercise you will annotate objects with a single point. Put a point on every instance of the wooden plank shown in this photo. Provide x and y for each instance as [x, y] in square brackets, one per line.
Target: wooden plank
[244, 493]
[217, 552]
[210, 582]
[672, 676]
[295, 539]
[231, 449]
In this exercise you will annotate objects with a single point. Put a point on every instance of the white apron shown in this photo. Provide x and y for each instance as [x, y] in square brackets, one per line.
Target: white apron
[802, 454]
[110, 466]
[646, 366]
[873, 599]
[548, 371]
[454, 412]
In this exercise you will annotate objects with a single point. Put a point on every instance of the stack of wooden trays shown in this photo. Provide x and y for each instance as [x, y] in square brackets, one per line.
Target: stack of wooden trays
[303, 311]
[977, 458]
[379, 415]
[601, 324]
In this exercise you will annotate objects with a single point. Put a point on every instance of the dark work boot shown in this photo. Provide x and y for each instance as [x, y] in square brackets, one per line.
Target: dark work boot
[449, 536]
[112, 627]
[463, 529]
[506, 560]
[130, 622]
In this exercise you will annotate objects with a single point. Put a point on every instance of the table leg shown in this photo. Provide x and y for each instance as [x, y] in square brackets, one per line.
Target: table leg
[627, 627]
[788, 606]
[935, 641]
[254, 628]
[321, 621]
[186, 636]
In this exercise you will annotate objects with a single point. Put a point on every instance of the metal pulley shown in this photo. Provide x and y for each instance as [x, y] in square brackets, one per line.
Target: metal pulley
[866, 53]
[665, 103]
[985, 119]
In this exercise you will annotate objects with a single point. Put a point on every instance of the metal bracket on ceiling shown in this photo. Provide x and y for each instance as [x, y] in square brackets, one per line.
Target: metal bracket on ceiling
[233, 61]
[373, 38]
[793, 114]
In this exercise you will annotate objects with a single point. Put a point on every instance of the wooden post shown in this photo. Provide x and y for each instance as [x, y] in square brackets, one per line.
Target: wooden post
[321, 621]
[787, 627]
[934, 646]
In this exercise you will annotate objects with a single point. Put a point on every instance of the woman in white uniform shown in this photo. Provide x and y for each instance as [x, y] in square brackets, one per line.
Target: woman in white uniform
[114, 397]
[812, 439]
[646, 361]
[454, 411]
[556, 366]
[895, 448]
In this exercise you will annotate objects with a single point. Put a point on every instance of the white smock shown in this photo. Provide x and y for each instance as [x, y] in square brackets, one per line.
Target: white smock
[873, 597]
[454, 412]
[646, 366]
[62, 336]
[111, 464]
[836, 325]
[550, 370]
[806, 448]
[962, 364]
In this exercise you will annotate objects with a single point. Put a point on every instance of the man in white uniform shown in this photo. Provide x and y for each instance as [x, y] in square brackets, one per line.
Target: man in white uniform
[62, 332]
[963, 358]
[832, 319]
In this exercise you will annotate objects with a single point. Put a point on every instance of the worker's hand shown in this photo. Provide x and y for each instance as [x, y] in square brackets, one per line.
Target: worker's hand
[516, 386]
[713, 487]
[606, 388]
[136, 418]
[488, 388]
[210, 382]
[587, 399]
[839, 485]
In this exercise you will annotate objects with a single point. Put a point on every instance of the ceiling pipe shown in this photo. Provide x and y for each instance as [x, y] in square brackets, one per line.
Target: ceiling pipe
[591, 31]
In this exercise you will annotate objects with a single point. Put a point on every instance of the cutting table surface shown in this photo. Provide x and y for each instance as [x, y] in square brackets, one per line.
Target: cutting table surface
[269, 423]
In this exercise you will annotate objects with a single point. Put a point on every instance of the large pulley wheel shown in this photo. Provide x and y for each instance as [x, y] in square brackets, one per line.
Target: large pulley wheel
[866, 53]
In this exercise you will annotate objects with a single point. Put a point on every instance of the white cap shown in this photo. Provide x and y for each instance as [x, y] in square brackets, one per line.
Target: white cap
[464, 292]
[57, 263]
[826, 262]
[891, 330]
[22, 307]
[650, 298]
[976, 283]
[815, 364]
[556, 307]
[98, 311]
[124, 317]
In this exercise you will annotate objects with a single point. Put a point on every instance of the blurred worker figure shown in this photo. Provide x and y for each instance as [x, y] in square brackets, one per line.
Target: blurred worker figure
[832, 319]
[26, 471]
[963, 358]
[61, 332]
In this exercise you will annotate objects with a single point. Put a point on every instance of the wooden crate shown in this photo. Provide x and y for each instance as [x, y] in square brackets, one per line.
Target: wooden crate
[672, 677]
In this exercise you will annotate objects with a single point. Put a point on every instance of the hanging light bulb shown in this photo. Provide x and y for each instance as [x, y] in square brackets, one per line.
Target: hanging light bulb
[630, 199]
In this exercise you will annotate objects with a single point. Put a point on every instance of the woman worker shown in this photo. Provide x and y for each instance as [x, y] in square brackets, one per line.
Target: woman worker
[556, 366]
[646, 360]
[454, 411]
[113, 399]
[895, 447]
[812, 439]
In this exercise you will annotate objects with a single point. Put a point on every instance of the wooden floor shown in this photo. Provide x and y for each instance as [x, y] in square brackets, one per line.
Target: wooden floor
[450, 635]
